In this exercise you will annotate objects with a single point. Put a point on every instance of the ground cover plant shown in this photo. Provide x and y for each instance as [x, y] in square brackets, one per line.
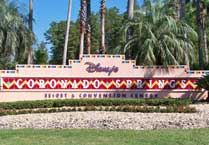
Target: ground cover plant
[104, 137]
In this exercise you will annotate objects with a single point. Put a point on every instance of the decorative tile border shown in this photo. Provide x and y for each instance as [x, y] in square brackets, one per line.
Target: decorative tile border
[74, 62]
[161, 67]
[43, 66]
[8, 71]
[103, 56]
[198, 72]
[129, 61]
[132, 62]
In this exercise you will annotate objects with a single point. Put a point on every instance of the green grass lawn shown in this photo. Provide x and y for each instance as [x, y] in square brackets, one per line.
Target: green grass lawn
[104, 137]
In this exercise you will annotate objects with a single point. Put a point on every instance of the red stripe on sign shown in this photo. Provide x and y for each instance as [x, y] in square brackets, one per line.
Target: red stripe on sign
[98, 83]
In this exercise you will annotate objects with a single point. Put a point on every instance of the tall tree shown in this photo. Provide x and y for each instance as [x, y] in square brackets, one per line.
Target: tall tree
[113, 23]
[82, 25]
[197, 17]
[130, 9]
[41, 54]
[204, 25]
[103, 11]
[88, 27]
[205, 38]
[130, 30]
[55, 36]
[182, 9]
[200, 32]
[177, 8]
[147, 5]
[67, 33]
[15, 37]
[30, 51]
[159, 39]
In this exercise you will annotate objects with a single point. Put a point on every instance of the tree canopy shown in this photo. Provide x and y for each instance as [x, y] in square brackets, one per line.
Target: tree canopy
[158, 39]
[15, 37]
[159, 32]
[56, 32]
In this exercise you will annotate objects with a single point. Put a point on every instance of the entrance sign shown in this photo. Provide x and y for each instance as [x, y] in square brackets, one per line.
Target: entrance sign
[99, 76]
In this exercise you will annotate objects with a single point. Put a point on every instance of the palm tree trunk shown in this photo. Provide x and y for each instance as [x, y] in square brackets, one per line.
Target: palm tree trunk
[67, 33]
[88, 27]
[205, 40]
[103, 10]
[130, 9]
[147, 4]
[206, 47]
[82, 26]
[177, 9]
[183, 9]
[30, 51]
[130, 30]
[200, 30]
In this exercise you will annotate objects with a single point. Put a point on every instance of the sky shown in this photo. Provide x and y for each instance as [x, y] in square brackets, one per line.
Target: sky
[47, 11]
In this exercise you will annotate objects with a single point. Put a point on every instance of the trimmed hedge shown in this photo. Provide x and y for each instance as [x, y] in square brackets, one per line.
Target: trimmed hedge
[127, 108]
[93, 102]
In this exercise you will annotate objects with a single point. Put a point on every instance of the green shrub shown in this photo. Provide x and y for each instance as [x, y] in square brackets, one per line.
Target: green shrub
[127, 108]
[93, 102]
[204, 82]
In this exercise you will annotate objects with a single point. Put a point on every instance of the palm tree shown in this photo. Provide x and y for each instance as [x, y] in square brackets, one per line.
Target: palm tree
[103, 10]
[205, 40]
[67, 33]
[147, 6]
[204, 23]
[130, 31]
[177, 8]
[130, 9]
[88, 27]
[82, 26]
[201, 10]
[15, 37]
[182, 9]
[30, 51]
[159, 39]
[200, 30]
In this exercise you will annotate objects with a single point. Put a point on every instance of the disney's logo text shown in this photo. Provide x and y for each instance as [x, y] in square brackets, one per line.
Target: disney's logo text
[98, 68]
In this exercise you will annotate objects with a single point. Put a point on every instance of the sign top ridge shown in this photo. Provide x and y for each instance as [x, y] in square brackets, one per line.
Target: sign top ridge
[102, 65]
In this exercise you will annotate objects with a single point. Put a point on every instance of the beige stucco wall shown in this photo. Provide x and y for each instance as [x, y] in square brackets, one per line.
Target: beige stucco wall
[77, 69]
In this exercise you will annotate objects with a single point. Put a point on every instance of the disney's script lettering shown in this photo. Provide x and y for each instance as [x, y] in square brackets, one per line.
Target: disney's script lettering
[98, 68]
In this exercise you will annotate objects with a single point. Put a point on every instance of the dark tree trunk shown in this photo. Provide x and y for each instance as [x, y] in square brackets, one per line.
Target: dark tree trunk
[200, 30]
[82, 26]
[88, 27]
[30, 51]
[177, 9]
[130, 30]
[205, 39]
[183, 9]
[31, 15]
[103, 11]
